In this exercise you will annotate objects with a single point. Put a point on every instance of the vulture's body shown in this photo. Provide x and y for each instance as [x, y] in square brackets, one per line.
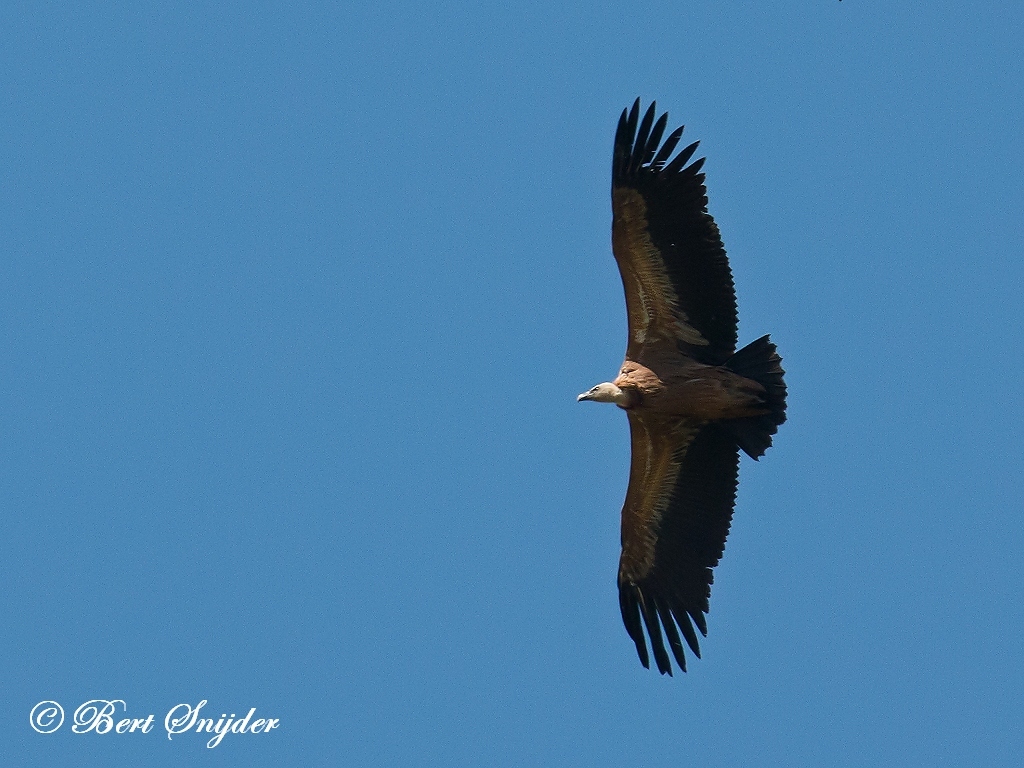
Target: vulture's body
[693, 402]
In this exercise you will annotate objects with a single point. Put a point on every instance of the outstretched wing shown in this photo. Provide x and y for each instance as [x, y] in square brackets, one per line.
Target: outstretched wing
[674, 269]
[682, 488]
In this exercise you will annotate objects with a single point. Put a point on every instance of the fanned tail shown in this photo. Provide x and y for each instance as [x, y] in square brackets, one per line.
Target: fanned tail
[759, 361]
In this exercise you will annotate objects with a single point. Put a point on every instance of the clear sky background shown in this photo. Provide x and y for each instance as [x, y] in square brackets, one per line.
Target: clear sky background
[296, 302]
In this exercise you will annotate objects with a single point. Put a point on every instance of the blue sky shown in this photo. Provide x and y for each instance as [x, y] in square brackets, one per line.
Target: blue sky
[297, 298]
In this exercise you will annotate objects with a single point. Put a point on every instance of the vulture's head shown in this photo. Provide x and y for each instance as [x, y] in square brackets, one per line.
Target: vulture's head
[604, 393]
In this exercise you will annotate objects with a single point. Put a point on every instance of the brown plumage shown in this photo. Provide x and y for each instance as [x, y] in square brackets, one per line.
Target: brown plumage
[693, 402]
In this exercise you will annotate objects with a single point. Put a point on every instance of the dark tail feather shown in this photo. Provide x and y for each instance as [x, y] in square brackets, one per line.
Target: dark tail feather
[761, 362]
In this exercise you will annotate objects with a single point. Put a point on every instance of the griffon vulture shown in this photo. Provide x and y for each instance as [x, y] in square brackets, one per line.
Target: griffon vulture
[692, 400]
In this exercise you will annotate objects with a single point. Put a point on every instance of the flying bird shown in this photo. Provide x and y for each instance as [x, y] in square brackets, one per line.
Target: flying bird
[692, 400]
